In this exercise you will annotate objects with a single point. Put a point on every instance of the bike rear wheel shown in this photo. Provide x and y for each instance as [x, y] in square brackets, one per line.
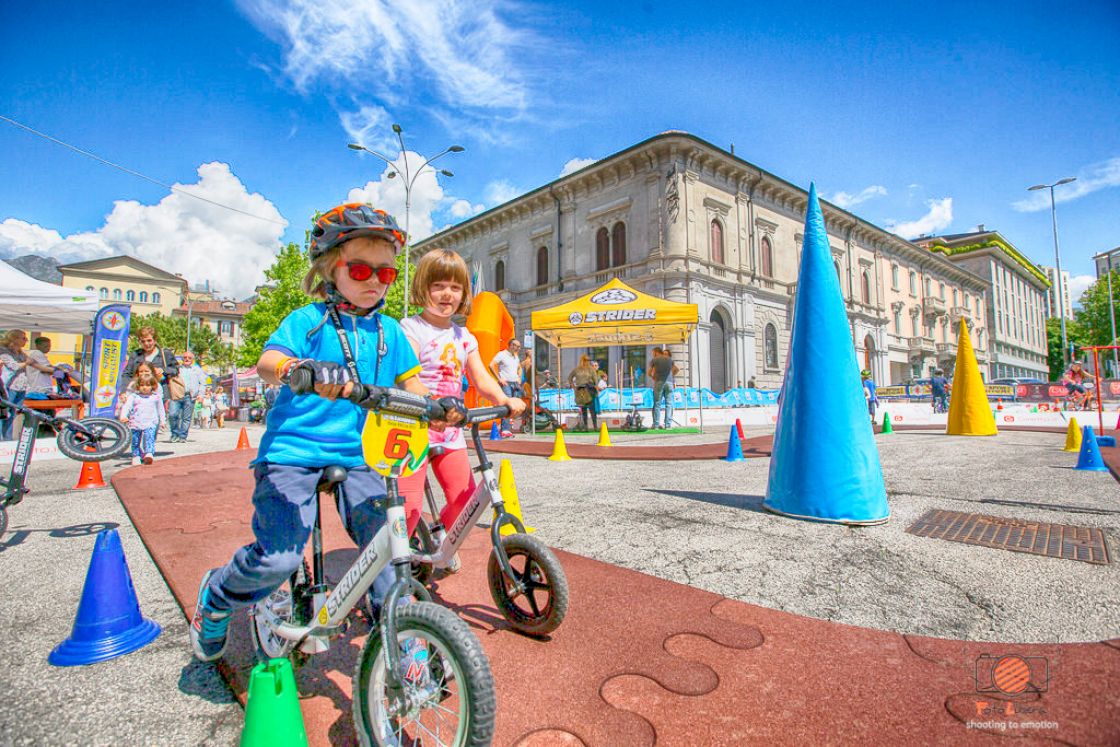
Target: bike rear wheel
[541, 608]
[107, 438]
[450, 700]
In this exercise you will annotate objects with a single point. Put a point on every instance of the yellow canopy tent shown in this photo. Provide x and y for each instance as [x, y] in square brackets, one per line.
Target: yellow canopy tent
[615, 314]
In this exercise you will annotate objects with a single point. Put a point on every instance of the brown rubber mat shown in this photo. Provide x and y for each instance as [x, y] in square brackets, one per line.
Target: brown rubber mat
[756, 446]
[642, 661]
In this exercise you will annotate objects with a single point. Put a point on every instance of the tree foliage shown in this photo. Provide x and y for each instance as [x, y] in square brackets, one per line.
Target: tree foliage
[171, 332]
[1075, 334]
[280, 297]
[1093, 316]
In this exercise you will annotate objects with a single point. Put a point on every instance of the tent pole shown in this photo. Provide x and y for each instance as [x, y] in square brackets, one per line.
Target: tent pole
[533, 403]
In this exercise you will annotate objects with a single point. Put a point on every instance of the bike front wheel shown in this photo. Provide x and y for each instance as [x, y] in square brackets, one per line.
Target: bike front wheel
[540, 607]
[106, 438]
[448, 696]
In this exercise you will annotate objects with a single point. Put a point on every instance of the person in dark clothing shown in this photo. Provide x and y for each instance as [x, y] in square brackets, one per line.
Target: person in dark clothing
[163, 361]
[661, 370]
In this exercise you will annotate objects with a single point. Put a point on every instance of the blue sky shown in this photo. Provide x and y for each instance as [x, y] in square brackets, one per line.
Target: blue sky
[920, 118]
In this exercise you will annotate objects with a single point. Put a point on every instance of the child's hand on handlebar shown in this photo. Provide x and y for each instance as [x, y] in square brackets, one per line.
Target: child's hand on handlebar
[452, 409]
[516, 406]
[332, 380]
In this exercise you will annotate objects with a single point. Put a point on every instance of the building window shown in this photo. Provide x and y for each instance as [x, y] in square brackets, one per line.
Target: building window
[955, 297]
[894, 277]
[928, 287]
[717, 242]
[104, 293]
[155, 298]
[618, 244]
[116, 294]
[130, 296]
[967, 302]
[542, 266]
[913, 283]
[770, 343]
[499, 275]
[602, 249]
[144, 296]
[837, 266]
[941, 291]
[898, 321]
[226, 328]
[865, 288]
[90, 288]
[914, 326]
[767, 258]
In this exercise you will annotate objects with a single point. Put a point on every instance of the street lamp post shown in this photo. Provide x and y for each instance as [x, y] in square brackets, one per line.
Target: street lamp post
[1058, 261]
[409, 179]
[190, 307]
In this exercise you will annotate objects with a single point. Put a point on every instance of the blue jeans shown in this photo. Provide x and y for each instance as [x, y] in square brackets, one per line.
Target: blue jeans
[663, 389]
[283, 516]
[144, 441]
[8, 424]
[511, 390]
[179, 413]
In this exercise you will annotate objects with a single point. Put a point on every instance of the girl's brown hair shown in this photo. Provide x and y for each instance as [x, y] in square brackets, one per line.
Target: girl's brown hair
[445, 265]
[135, 383]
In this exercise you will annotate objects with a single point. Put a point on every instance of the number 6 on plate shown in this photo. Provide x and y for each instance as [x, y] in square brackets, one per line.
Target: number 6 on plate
[389, 440]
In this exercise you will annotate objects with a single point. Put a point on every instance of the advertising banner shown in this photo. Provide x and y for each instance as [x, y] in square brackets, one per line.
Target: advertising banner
[614, 399]
[110, 351]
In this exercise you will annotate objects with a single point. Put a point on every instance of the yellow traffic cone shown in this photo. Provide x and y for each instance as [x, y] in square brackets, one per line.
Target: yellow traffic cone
[1073, 437]
[559, 450]
[508, 488]
[970, 414]
[604, 437]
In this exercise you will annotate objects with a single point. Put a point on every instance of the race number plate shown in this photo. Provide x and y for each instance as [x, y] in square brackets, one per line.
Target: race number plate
[389, 440]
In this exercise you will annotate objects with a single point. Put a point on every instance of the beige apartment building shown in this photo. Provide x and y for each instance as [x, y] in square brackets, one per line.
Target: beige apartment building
[679, 218]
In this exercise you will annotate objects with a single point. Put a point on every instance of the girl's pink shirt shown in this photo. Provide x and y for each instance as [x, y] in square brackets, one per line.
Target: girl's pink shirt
[443, 357]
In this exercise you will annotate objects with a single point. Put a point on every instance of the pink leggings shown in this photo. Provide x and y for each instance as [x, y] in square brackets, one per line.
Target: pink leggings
[453, 471]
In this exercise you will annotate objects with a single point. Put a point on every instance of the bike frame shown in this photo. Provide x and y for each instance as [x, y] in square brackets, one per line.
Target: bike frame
[15, 486]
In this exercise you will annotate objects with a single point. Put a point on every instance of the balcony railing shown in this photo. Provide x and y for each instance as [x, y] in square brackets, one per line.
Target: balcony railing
[934, 305]
[921, 345]
[946, 349]
[957, 312]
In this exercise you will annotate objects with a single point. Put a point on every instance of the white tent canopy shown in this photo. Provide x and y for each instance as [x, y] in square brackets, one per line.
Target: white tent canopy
[27, 303]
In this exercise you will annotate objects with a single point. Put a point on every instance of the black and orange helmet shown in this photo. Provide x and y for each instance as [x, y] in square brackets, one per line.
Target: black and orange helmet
[349, 221]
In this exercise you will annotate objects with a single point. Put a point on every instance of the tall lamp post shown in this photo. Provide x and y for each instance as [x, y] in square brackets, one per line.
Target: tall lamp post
[190, 307]
[409, 178]
[1058, 261]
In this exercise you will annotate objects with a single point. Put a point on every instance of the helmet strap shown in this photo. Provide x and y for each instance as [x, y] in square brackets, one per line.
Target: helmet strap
[337, 300]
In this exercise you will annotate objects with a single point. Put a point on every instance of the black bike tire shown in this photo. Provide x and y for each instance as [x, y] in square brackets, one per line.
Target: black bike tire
[300, 580]
[474, 680]
[3, 519]
[68, 440]
[539, 554]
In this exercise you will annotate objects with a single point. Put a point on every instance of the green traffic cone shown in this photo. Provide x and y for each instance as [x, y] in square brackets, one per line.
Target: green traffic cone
[887, 428]
[1034, 408]
[272, 715]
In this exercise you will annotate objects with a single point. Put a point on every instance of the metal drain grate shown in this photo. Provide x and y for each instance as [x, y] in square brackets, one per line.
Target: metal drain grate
[1038, 538]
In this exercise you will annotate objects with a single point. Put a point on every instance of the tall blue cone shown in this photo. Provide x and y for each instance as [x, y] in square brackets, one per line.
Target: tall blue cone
[1090, 456]
[108, 623]
[825, 464]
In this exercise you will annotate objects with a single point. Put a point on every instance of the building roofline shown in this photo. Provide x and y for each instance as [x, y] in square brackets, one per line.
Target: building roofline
[93, 264]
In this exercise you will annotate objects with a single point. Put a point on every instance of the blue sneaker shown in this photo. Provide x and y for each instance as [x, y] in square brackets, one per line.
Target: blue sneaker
[209, 629]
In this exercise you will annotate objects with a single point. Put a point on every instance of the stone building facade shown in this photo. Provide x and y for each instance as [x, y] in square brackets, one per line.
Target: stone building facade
[679, 218]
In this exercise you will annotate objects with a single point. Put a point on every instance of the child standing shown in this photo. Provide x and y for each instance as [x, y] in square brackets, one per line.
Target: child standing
[339, 340]
[144, 413]
[446, 350]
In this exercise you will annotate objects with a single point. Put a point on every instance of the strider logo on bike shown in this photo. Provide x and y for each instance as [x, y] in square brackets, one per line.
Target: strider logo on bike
[390, 440]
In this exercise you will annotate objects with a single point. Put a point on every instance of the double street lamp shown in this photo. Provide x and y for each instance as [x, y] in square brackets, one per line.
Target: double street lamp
[1058, 261]
[408, 178]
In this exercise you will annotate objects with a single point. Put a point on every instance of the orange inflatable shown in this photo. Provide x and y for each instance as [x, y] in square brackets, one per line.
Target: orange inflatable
[492, 325]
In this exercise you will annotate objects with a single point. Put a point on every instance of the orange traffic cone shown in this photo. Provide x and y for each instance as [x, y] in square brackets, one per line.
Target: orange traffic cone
[739, 427]
[243, 439]
[90, 476]
[999, 403]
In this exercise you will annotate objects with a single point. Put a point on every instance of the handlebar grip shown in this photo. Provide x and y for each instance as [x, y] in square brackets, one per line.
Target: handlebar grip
[301, 381]
[482, 414]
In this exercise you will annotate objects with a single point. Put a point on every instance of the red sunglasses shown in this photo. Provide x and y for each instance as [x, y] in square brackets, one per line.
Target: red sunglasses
[364, 271]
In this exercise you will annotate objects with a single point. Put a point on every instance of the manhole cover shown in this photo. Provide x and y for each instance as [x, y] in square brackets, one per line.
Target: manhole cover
[1037, 538]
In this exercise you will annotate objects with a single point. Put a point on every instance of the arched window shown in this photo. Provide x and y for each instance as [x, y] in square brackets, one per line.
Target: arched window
[116, 294]
[104, 293]
[868, 352]
[499, 275]
[865, 288]
[144, 296]
[155, 297]
[913, 283]
[929, 287]
[130, 296]
[770, 347]
[717, 352]
[837, 266]
[542, 266]
[898, 321]
[618, 244]
[941, 291]
[90, 288]
[766, 255]
[717, 242]
[956, 297]
[894, 276]
[602, 249]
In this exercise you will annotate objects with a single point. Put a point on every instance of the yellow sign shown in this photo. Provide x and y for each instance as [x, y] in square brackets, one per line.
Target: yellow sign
[999, 390]
[389, 440]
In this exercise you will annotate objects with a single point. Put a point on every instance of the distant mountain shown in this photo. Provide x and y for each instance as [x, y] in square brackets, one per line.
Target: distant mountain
[40, 268]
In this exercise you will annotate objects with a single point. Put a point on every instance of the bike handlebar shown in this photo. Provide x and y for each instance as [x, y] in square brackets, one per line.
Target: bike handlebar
[478, 415]
[370, 397]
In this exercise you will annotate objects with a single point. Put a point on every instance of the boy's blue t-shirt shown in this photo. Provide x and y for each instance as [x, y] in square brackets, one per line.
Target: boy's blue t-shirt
[937, 385]
[870, 386]
[309, 431]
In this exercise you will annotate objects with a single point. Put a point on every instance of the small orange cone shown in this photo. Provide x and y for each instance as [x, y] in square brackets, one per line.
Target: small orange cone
[243, 439]
[739, 428]
[999, 403]
[90, 476]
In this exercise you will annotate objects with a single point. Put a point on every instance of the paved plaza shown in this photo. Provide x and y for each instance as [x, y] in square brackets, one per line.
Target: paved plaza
[699, 523]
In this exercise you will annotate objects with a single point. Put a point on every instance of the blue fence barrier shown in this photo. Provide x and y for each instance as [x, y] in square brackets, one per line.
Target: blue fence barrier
[623, 399]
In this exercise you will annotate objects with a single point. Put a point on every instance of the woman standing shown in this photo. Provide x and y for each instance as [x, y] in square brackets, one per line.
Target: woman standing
[13, 367]
[162, 361]
[221, 405]
[582, 380]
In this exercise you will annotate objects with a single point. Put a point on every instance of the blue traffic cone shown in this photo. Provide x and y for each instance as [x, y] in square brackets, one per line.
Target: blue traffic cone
[109, 623]
[1090, 457]
[843, 482]
[495, 434]
[734, 448]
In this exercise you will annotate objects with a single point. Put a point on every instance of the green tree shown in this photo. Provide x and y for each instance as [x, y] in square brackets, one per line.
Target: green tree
[1093, 316]
[172, 334]
[394, 299]
[283, 295]
[1075, 334]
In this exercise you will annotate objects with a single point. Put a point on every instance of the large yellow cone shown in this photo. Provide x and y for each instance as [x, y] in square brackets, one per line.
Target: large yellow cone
[1073, 436]
[508, 488]
[559, 450]
[604, 437]
[969, 411]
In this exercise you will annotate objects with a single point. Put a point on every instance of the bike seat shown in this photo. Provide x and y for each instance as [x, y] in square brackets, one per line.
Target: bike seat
[332, 475]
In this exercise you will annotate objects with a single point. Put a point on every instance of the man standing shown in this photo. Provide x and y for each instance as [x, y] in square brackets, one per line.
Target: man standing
[661, 370]
[40, 372]
[506, 367]
[181, 410]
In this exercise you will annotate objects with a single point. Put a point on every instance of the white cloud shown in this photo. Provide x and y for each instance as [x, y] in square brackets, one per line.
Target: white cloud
[1077, 285]
[939, 217]
[369, 126]
[845, 200]
[576, 164]
[464, 209]
[180, 234]
[1096, 176]
[499, 192]
[389, 194]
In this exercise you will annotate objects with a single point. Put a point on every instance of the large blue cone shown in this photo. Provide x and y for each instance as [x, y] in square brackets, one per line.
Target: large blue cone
[1090, 456]
[109, 623]
[825, 465]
